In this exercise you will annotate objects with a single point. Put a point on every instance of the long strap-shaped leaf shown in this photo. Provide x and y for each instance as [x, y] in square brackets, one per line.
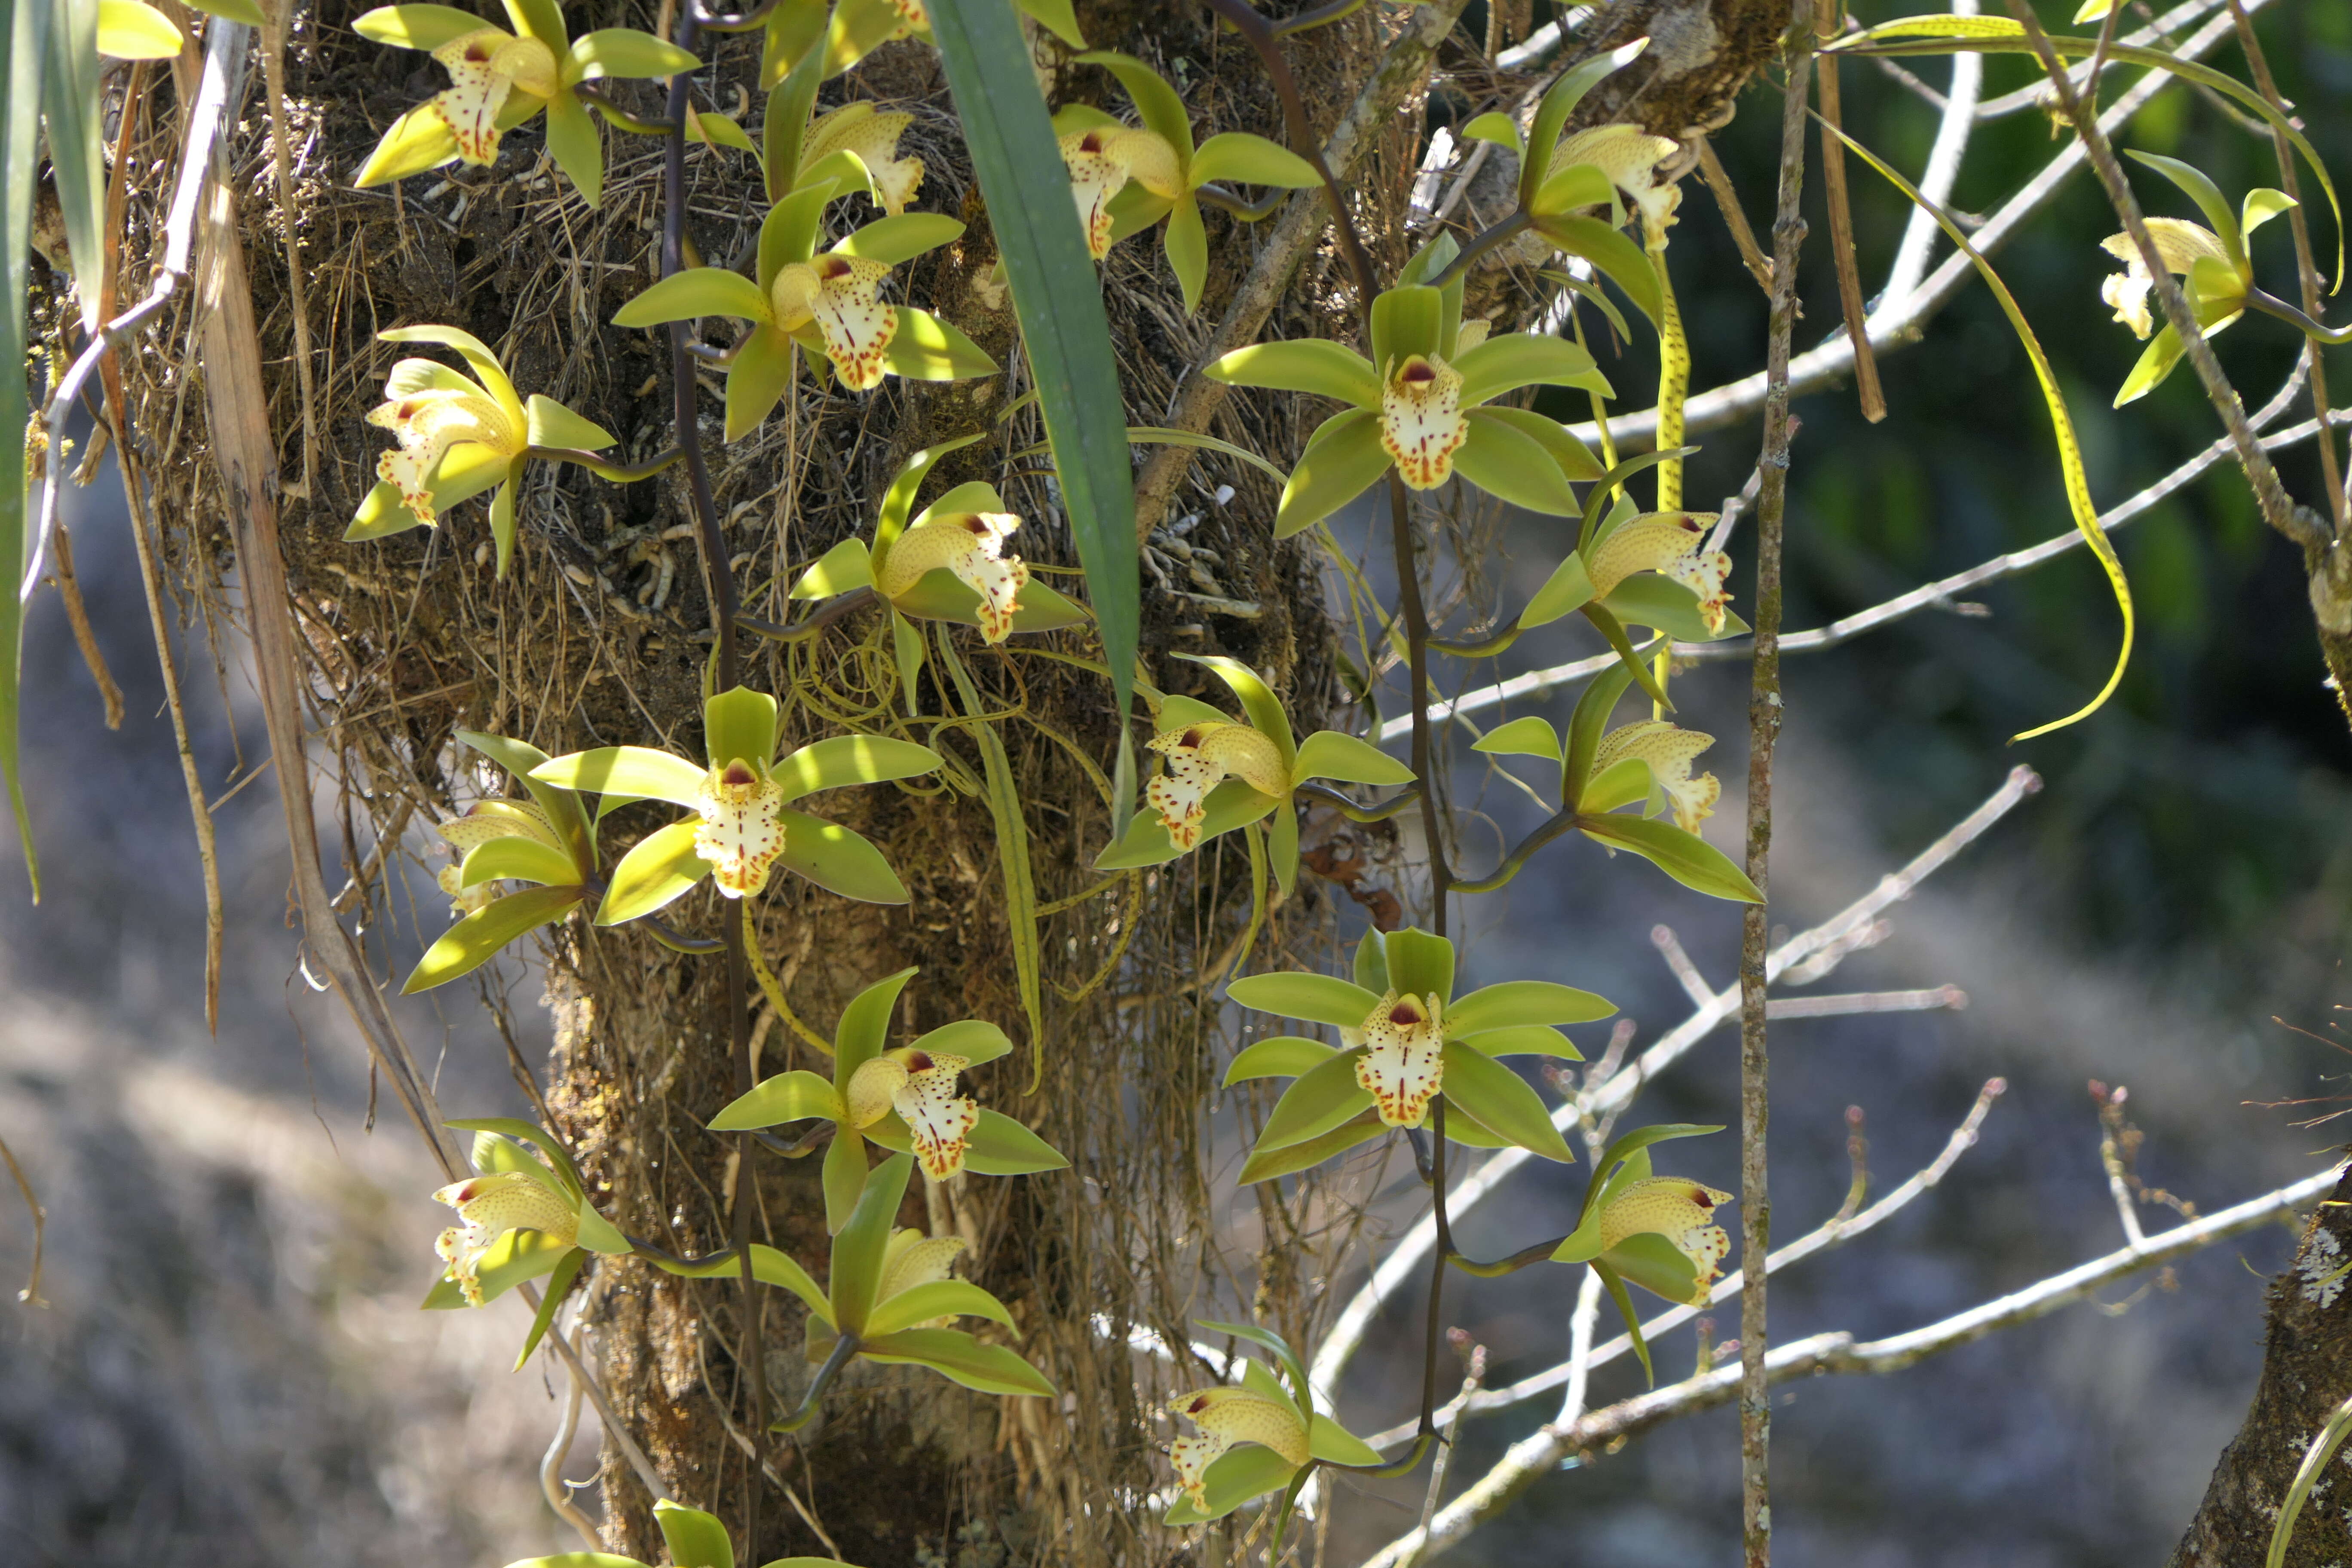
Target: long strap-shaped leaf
[2070, 451]
[1003, 793]
[24, 26]
[1058, 300]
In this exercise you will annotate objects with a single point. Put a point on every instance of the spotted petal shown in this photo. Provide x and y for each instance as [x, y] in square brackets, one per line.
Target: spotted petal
[1422, 422]
[1669, 752]
[484, 66]
[1404, 1065]
[742, 831]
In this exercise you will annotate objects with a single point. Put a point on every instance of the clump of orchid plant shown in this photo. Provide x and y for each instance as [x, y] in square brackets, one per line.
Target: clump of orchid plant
[499, 79]
[903, 1100]
[743, 827]
[1405, 1039]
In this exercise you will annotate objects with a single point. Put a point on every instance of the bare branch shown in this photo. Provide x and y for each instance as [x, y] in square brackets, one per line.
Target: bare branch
[1942, 169]
[1833, 1353]
[1950, 997]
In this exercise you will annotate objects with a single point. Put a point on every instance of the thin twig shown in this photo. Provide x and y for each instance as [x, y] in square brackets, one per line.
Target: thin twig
[1944, 157]
[273, 65]
[78, 619]
[1726, 200]
[1872, 397]
[31, 1294]
[1764, 710]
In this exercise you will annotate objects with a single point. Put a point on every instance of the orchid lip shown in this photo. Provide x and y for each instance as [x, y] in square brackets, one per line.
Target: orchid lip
[738, 773]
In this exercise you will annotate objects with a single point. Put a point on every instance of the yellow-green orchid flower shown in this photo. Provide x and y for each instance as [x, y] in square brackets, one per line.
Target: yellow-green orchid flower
[498, 79]
[1647, 763]
[1405, 1039]
[1658, 1232]
[871, 136]
[903, 1100]
[521, 1215]
[1419, 405]
[2212, 263]
[947, 562]
[1221, 774]
[743, 827]
[1253, 1438]
[458, 436]
[135, 30]
[1127, 178]
[829, 302]
[548, 843]
[490, 1206]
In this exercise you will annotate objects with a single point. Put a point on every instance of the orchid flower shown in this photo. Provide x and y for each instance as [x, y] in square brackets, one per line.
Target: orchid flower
[1255, 1437]
[904, 1100]
[1127, 178]
[1658, 1232]
[1648, 763]
[548, 842]
[458, 436]
[1405, 1041]
[498, 79]
[829, 302]
[870, 136]
[2212, 263]
[1221, 774]
[743, 827]
[1420, 405]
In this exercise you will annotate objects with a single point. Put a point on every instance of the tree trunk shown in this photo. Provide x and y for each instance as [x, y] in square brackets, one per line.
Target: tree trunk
[2306, 1373]
[598, 636]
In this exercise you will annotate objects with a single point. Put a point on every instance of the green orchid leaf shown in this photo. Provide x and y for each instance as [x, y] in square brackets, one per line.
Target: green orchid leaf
[417, 26]
[1515, 359]
[1343, 460]
[1323, 1098]
[1057, 300]
[848, 760]
[1526, 737]
[653, 875]
[474, 941]
[1156, 102]
[566, 1270]
[1334, 1444]
[1238, 1476]
[1283, 1056]
[417, 140]
[864, 1026]
[900, 238]
[844, 1181]
[518, 859]
[696, 1539]
[1558, 101]
[1316, 365]
[1328, 754]
[1512, 466]
[695, 292]
[1318, 998]
[1516, 1002]
[857, 1250]
[1686, 857]
[956, 1355]
[940, 1298]
[1419, 964]
[793, 1096]
[1500, 1100]
[925, 348]
[843, 567]
[514, 1258]
[72, 107]
[1523, 1040]
[638, 771]
[1268, 1164]
[1237, 158]
[999, 1146]
[624, 52]
[1624, 263]
[553, 425]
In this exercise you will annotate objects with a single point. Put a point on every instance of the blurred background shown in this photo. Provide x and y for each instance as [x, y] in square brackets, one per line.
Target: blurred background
[229, 1364]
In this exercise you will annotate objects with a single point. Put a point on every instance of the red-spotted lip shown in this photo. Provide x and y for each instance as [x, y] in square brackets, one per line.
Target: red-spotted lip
[830, 267]
[1092, 141]
[1192, 737]
[920, 1061]
[1407, 1013]
[1703, 1198]
[1417, 372]
[479, 54]
[738, 773]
